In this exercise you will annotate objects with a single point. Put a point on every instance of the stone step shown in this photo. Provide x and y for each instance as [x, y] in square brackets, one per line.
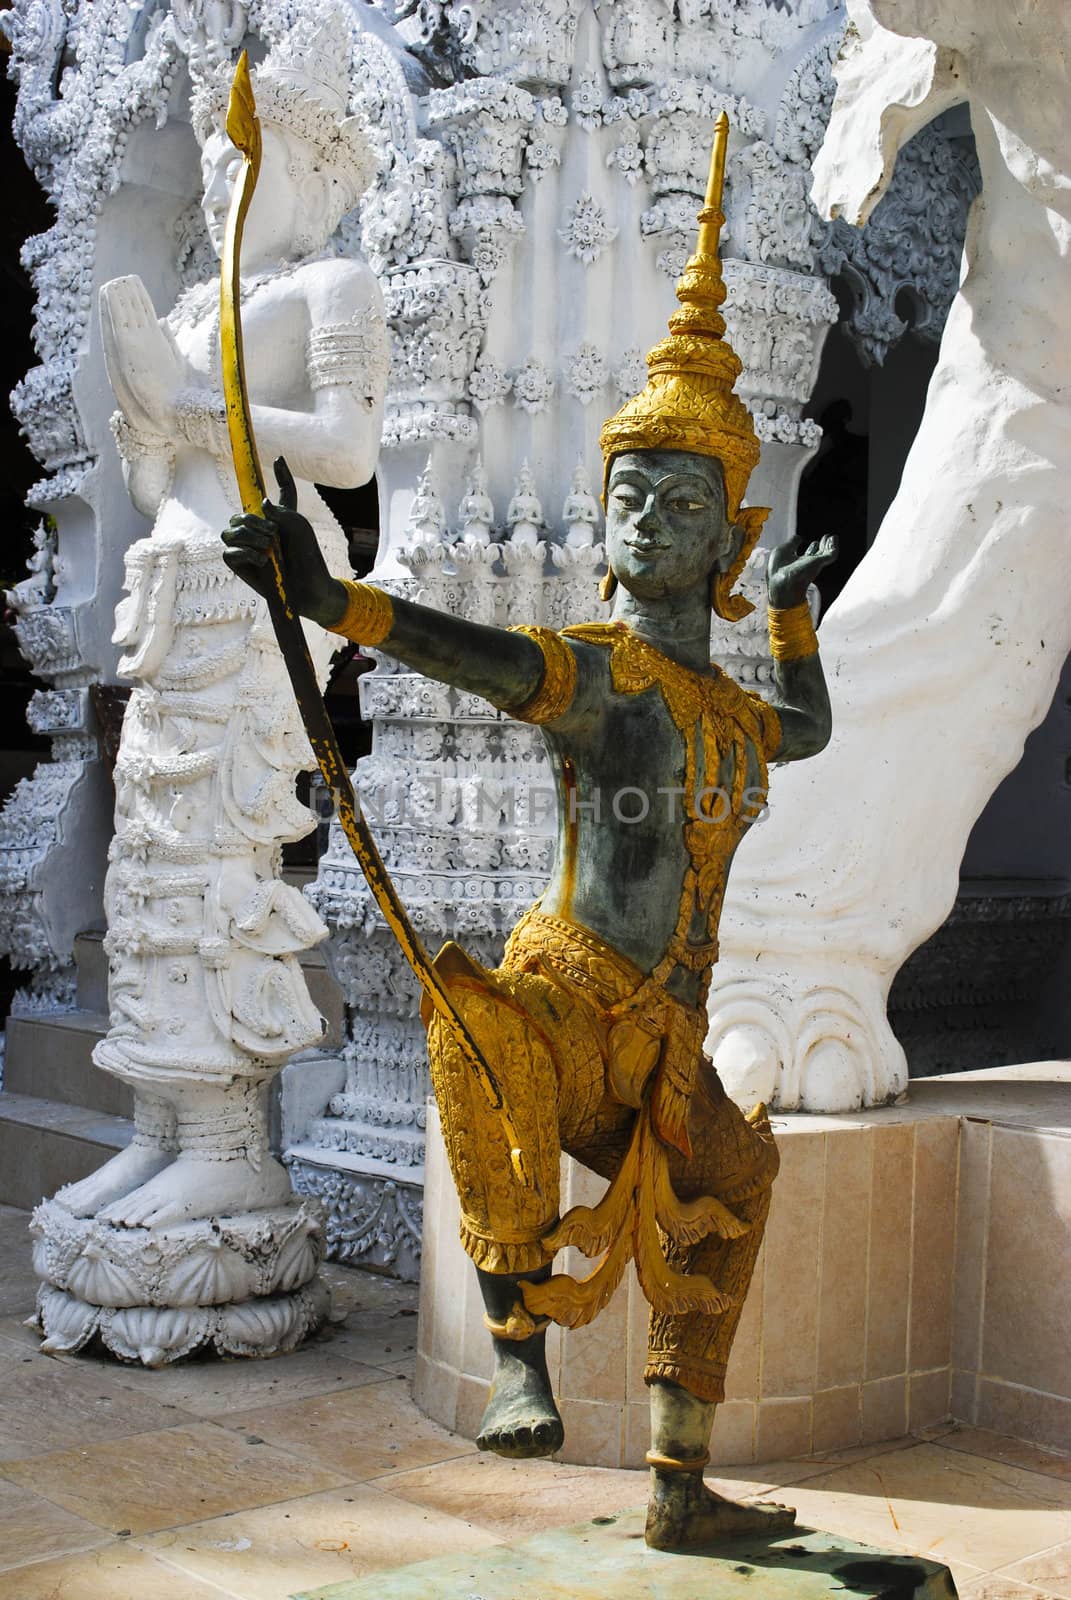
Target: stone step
[49, 1057]
[92, 991]
[45, 1144]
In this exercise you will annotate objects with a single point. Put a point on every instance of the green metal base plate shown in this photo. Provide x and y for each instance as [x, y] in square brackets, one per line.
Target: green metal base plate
[607, 1559]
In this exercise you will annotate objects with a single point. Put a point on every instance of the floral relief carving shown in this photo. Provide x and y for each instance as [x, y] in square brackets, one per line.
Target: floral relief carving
[587, 230]
[489, 384]
[533, 385]
[587, 374]
[630, 374]
[627, 159]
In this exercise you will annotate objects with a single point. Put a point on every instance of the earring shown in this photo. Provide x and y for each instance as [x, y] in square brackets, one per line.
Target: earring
[732, 607]
[608, 585]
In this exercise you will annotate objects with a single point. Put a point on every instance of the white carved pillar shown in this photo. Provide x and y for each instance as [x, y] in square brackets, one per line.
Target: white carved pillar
[84, 99]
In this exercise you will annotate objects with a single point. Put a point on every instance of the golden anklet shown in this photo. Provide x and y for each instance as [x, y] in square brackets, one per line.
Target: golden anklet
[677, 1463]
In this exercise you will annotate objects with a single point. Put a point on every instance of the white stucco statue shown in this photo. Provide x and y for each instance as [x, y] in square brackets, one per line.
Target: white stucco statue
[944, 648]
[206, 994]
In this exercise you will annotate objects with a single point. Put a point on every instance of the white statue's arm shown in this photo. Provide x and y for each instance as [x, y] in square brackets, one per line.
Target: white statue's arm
[347, 358]
[141, 360]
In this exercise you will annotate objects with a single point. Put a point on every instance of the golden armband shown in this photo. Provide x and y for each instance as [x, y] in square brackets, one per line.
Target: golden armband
[369, 614]
[558, 684]
[792, 635]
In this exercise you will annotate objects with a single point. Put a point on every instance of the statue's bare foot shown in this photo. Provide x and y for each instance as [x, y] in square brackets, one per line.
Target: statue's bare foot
[125, 1172]
[192, 1189]
[683, 1514]
[521, 1419]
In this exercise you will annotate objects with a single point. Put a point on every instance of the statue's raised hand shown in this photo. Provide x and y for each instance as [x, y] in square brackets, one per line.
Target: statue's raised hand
[793, 567]
[310, 588]
[145, 369]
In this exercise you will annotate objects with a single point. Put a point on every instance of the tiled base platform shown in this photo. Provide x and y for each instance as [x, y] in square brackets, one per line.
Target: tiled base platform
[255, 1480]
[914, 1268]
[606, 1559]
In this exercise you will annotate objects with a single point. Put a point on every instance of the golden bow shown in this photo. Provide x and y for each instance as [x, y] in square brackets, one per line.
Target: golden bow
[243, 129]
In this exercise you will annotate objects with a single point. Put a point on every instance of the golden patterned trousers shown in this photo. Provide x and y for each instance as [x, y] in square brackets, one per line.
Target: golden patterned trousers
[548, 1021]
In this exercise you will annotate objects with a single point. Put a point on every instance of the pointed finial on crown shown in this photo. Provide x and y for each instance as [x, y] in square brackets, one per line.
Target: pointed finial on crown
[688, 402]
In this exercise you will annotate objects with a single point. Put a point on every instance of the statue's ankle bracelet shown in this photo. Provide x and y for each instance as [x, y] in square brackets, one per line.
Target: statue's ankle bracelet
[518, 1326]
[662, 1463]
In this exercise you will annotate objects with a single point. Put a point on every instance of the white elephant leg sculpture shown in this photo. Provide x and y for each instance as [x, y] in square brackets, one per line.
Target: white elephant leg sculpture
[944, 649]
[192, 1235]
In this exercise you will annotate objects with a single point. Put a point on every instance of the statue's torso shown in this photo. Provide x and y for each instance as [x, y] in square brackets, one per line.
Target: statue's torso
[625, 868]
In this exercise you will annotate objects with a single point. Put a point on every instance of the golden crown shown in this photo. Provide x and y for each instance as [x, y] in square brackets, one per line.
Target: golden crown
[688, 401]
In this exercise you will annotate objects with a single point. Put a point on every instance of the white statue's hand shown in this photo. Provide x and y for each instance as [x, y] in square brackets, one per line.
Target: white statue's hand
[145, 368]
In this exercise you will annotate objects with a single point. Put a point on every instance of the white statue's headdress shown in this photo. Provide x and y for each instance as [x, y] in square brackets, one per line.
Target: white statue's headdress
[302, 85]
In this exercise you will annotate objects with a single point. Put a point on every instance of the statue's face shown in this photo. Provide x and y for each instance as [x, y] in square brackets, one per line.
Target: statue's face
[666, 527]
[273, 224]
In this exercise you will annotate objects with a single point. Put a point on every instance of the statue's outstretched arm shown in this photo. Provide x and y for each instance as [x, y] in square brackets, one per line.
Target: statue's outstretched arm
[800, 696]
[506, 668]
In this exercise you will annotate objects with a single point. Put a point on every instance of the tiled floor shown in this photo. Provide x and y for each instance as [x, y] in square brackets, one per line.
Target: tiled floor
[254, 1480]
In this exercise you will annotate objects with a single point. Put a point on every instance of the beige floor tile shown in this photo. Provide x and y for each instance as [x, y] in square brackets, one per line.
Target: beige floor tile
[783, 1474]
[19, 1331]
[514, 1498]
[962, 1574]
[941, 1504]
[1050, 1571]
[211, 1388]
[31, 1528]
[324, 1538]
[998, 1447]
[161, 1480]
[18, 1282]
[355, 1293]
[51, 1405]
[382, 1339]
[994, 1586]
[360, 1432]
[117, 1572]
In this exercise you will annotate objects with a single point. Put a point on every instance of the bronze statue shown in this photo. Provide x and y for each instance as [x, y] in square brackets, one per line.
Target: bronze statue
[595, 1020]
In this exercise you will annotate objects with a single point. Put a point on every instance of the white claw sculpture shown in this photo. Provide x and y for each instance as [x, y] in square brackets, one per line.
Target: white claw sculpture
[943, 650]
